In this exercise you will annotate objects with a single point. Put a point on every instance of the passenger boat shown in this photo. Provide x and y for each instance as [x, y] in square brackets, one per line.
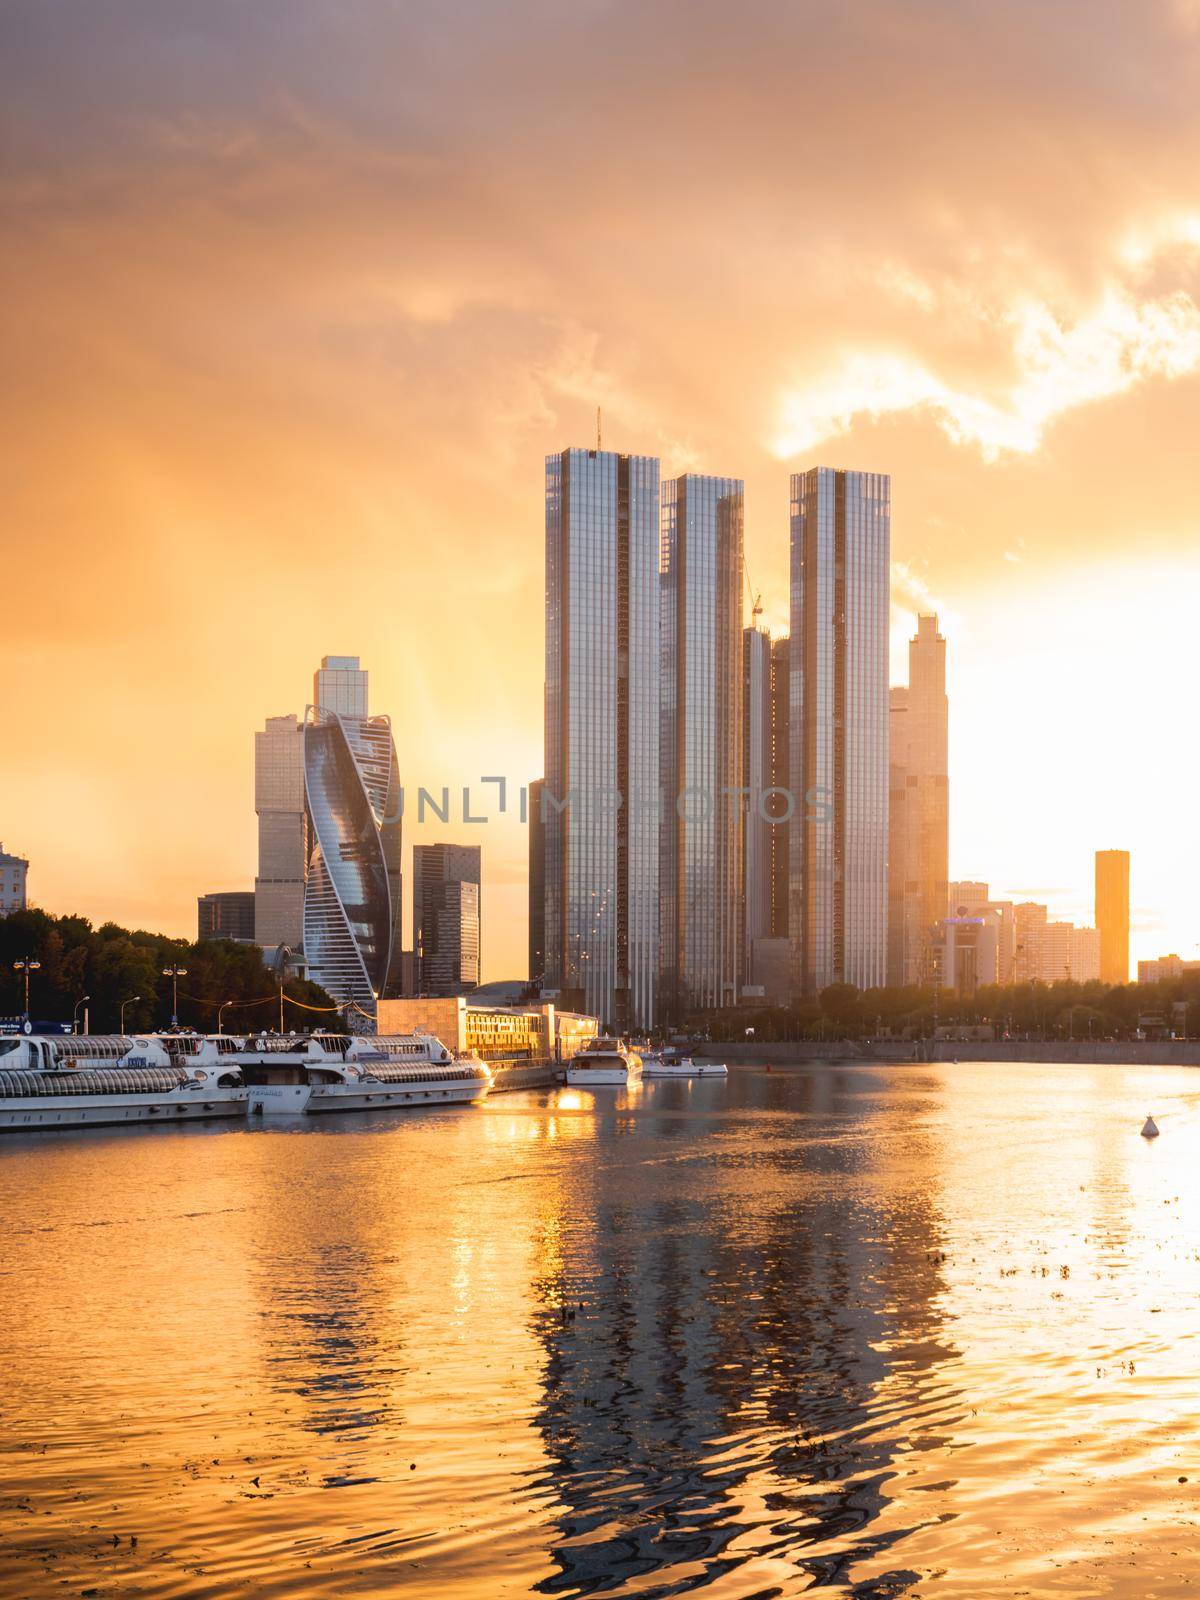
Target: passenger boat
[670, 1063]
[83, 1080]
[604, 1063]
[288, 1074]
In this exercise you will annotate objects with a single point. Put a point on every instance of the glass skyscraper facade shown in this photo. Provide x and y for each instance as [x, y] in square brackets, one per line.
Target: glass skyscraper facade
[601, 800]
[447, 924]
[840, 571]
[919, 810]
[702, 755]
[352, 908]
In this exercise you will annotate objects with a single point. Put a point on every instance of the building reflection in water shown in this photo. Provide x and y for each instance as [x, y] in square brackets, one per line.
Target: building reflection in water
[740, 1349]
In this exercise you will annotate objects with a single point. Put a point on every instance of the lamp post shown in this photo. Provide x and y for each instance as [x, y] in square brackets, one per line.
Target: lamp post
[82, 1001]
[132, 1001]
[27, 966]
[174, 972]
[221, 1011]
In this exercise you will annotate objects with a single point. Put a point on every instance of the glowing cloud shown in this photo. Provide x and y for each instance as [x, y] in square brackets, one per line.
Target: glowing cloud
[1122, 342]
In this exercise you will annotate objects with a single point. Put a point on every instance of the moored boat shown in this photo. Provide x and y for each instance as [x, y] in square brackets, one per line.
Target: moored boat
[87, 1080]
[604, 1063]
[291, 1074]
[673, 1064]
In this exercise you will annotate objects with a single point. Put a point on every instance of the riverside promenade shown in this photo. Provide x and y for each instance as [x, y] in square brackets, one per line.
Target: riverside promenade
[1117, 1052]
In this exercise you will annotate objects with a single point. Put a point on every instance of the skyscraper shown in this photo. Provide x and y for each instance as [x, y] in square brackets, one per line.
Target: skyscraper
[919, 823]
[1112, 914]
[14, 874]
[447, 925]
[602, 732]
[537, 884]
[352, 908]
[766, 777]
[702, 756]
[756, 760]
[840, 548]
[282, 834]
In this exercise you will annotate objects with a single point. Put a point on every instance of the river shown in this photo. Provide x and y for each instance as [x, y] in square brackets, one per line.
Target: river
[905, 1330]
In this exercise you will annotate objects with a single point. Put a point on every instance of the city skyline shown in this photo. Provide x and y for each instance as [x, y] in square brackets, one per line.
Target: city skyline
[346, 366]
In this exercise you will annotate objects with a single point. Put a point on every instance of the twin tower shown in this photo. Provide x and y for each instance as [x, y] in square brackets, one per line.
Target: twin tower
[646, 802]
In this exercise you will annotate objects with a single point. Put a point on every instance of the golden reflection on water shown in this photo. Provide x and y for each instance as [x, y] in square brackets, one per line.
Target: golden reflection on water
[901, 1331]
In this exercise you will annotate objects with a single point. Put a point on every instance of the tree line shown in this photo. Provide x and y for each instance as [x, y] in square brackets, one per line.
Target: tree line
[1022, 1010]
[110, 964]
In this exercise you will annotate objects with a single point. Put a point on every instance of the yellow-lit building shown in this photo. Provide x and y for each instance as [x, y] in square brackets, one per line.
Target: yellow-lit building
[1112, 914]
[495, 1033]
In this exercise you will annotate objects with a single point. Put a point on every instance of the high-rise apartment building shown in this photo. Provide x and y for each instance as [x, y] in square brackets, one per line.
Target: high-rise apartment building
[1112, 914]
[766, 829]
[919, 810]
[1051, 952]
[14, 881]
[537, 884]
[447, 925]
[840, 553]
[602, 732]
[282, 834]
[702, 755]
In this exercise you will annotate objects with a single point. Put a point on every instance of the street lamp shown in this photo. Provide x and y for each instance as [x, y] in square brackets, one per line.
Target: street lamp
[175, 972]
[132, 1001]
[221, 1009]
[27, 966]
[82, 1001]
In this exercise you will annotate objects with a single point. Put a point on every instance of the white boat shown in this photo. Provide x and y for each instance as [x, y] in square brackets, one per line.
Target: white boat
[288, 1074]
[85, 1080]
[672, 1064]
[604, 1063]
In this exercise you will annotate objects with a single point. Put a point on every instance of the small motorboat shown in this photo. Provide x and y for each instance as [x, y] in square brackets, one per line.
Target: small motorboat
[674, 1064]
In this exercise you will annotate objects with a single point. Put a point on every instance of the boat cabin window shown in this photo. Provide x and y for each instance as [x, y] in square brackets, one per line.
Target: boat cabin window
[8, 1045]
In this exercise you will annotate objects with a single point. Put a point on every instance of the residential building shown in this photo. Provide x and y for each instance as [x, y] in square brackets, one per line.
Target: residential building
[14, 883]
[537, 883]
[1161, 969]
[1051, 952]
[919, 809]
[840, 576]
[602, 710]
[1112, 914]
[702, 755]
[447, 916]
[766, 824]
[226, 915]
[352, 907]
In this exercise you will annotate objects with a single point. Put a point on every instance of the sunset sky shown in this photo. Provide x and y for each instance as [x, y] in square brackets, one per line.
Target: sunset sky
[297, 295]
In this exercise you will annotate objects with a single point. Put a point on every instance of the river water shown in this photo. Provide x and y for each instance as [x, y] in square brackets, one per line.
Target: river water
[897, 1330]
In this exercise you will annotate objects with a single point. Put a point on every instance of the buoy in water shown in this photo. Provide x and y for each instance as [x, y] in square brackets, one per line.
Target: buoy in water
[1150, 1129]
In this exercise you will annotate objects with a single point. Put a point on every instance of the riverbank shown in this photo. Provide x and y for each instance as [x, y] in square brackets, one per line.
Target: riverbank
[1113, 1052]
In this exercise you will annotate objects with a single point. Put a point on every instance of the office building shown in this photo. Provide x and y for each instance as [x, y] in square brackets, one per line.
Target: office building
[352, 907]
[447, 916]
[227, 915]
[282, 834]
[970, 898]
[840, 555]
[703, 808]
[1112, 914]
[14, 883]
[537, 883]
[968, 952]
[919, 810]
[602, 733]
